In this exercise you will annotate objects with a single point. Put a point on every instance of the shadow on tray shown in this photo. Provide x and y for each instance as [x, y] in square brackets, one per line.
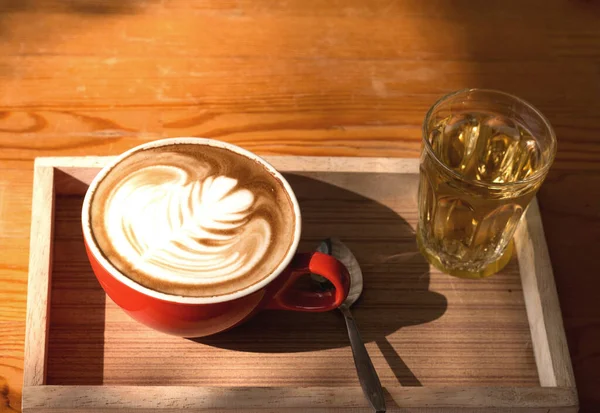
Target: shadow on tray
[396, 277]
[77, 319]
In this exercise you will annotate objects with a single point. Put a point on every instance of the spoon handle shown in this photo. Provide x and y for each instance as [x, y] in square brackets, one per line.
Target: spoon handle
[369, 381]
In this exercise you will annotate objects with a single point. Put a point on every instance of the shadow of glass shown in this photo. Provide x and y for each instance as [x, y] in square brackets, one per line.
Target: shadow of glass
[396, 277]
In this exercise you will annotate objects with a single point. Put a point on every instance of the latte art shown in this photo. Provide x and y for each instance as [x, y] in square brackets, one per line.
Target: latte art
[193, 225]
[196, 231]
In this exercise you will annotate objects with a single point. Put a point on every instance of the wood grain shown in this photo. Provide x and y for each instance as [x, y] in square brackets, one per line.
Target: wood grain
[543, 309]
[40, 277]
[351, 77]
[314, 399]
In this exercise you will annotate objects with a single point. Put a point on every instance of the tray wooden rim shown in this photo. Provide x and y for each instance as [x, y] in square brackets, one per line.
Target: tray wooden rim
[557, 391]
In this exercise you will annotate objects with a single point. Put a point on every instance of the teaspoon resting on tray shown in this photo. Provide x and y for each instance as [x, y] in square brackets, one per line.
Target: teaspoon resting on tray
[367, 375]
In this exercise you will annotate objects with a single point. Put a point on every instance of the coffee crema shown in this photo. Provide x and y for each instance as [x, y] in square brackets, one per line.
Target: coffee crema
[192, 219]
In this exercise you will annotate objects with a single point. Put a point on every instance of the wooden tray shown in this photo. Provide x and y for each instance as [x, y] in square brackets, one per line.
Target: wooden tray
[439, 344]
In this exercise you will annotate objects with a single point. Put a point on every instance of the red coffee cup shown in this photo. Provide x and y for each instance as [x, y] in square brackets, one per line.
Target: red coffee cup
[202, 316]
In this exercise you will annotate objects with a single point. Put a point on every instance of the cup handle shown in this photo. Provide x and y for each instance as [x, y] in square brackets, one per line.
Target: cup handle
[289, 295]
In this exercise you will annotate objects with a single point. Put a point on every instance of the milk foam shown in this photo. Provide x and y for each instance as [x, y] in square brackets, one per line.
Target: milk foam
[192, 220]
[183, 230]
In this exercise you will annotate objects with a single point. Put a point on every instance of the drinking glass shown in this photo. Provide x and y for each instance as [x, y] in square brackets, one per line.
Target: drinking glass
[484, 155]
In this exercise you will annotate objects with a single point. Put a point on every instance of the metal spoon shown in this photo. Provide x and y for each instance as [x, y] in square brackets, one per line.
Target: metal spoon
[367, 375]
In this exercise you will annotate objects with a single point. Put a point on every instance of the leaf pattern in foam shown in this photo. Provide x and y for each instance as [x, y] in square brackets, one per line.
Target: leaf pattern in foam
[174, 227]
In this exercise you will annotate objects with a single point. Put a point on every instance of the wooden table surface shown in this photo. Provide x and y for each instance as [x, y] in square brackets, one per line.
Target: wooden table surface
[305, 77]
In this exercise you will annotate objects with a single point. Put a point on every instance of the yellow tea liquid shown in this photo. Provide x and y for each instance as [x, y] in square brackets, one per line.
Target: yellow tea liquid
[469, 209]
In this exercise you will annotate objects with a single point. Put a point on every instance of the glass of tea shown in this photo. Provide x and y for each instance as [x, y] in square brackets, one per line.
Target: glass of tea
[484, 155]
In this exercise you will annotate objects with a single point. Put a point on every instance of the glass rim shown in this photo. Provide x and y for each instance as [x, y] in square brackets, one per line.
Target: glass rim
[533, 178]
